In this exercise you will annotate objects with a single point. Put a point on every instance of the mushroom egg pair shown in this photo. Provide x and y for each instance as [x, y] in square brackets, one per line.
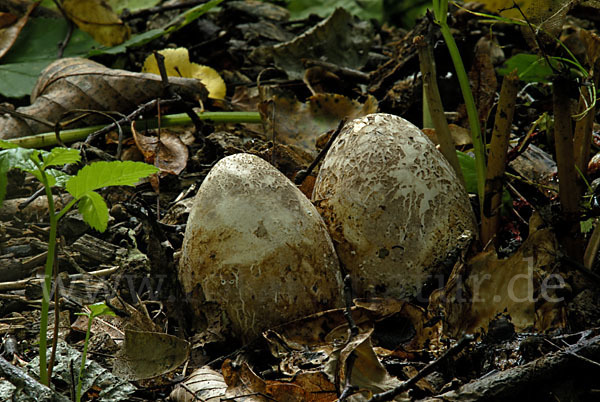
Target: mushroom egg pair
[385, 197]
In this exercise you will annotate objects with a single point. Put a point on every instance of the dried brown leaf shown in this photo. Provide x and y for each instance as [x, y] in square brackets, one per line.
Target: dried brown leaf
[296, 123]
[166, 151]
[11, 29]
[75, 83]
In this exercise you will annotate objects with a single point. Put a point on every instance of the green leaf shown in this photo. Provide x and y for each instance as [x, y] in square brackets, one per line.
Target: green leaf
[98, 309]
[35, 48]
[94, 211]
[16, 158]
[135, 41]
[148, 36]
[530, 67]
[467, 165]
[103, 174]
[587, 225]
[61, 156]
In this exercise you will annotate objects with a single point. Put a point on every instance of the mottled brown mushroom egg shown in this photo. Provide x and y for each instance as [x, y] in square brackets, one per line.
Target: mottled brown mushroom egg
[256, 246]
[393, 205]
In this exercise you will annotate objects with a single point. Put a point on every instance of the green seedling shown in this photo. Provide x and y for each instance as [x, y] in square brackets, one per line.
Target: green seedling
[96, 310]
[82, 187]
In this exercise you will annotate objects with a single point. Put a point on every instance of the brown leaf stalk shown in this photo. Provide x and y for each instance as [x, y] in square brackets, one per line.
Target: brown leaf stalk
[567, 175]
[434, 101]
[583, 128]
[490, 216]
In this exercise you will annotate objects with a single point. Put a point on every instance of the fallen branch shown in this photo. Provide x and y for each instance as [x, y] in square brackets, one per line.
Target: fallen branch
[28, 385]
[563, 365]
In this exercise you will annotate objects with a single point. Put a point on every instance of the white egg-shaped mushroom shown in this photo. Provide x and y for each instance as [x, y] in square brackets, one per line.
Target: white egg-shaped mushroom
[256, 245]
[393, 205]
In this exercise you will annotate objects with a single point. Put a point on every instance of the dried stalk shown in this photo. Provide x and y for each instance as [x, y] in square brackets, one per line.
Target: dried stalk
[567, 175]
[583, 128]
[490, 217]
[434, 102]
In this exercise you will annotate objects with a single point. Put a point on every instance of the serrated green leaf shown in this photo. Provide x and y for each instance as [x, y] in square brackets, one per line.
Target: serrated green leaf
[587, 225]
[61, 156]
[60, 177]
[103, 174]
[94, 211]
[16, 158]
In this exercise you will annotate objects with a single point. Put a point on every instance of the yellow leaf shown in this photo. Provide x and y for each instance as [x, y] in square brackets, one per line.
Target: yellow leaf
[537, 9]
[98, 19]
[177, 64]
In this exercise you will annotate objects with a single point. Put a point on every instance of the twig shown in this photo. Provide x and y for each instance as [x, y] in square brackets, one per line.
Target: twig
[303, 174]
[348, 387]
[23, 283]
[356, 75]
[129, 15]
[65, 42]
[454, 350]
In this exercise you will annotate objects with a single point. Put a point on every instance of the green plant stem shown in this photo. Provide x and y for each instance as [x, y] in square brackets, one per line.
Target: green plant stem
[67, 136]
[84, 356]
[465, 88]
[47, 280]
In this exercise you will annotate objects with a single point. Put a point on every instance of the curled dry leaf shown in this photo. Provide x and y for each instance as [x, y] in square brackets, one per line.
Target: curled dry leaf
[204, 384]
[76, 83]
[166, 151]
[11, 28]
[524, 285]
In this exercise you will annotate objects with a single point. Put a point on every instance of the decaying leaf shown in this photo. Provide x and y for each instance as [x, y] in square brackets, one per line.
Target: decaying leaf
[166, 151]
[74, 83]
[97, 18]
[177, 64]
[244, 384]
[320, 341]
[526, 286]
[149, 354]
[204, 384]
[12, 28]
[460, 135]
[338, 39]
[296, 123]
